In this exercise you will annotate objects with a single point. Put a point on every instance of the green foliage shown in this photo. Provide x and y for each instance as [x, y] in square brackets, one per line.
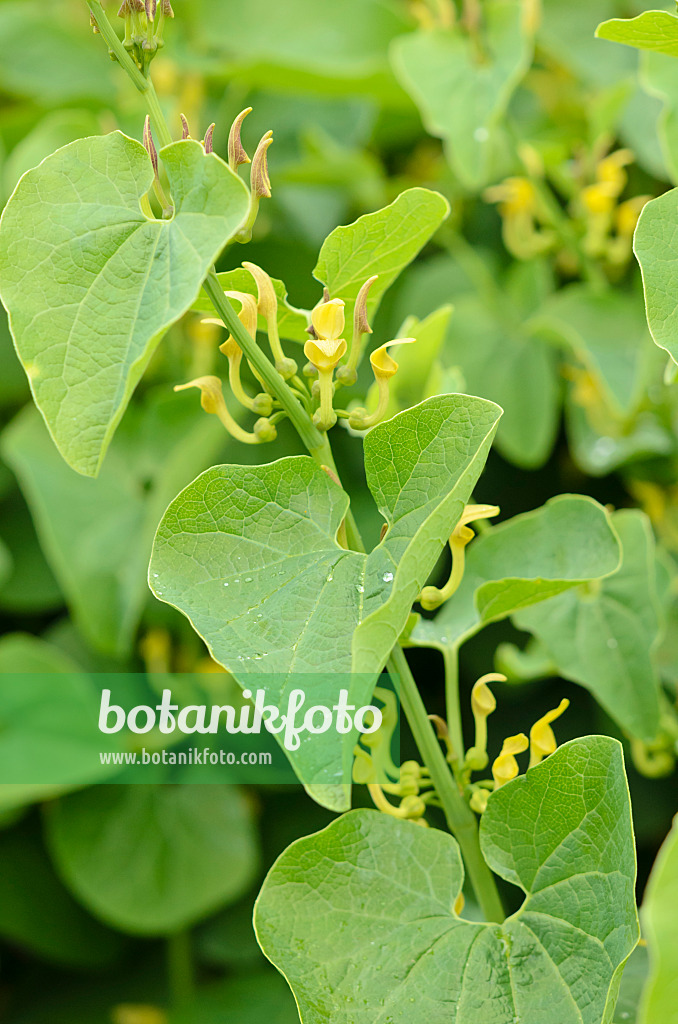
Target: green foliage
[192, 851]
[522, 562]
[250, 555]
[463, 81]
[97, 263]
[654, 246]
[603, 635]
[97, 534]
[659, 923]
[370, 883]
[654, 30]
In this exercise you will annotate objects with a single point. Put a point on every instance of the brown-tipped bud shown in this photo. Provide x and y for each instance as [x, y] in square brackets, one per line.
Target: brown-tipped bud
[208, 141]
[151, 6]
[124, 10]
[236, 150]
[360, 322]
[311, 331]
[167, 9]
[260, 183]
[185, 130]
[93, 25]
[326, 293]
[149, 145]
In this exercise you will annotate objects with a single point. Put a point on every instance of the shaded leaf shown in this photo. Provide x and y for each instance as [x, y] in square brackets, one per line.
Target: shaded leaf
[660, 924]
[154, 859]
[602, 635]
[462, 84]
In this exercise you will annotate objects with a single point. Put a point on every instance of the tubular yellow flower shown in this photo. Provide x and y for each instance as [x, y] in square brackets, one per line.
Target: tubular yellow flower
[483, 703]
[505, 766]
[328, 320]
[267, 302]
[432, 597]
[515, 195]
[233, 352]
[610, 170]
[384, 367]
[212, 401]
[542, 739]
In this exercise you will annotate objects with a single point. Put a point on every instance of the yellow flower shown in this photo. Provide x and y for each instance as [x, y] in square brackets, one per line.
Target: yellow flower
[212, 401]
[542, 738]
[610, 170]
[432, 597]
[505, 766]
[514, 195]
[328, 320]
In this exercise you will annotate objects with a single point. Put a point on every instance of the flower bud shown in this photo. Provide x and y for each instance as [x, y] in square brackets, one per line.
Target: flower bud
[360, 322]
[262, 404]
[264, 430]
[479, 800]
[185, 132]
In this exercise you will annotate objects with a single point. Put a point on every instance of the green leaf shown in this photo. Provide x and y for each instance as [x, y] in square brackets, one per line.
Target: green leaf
[250, 999]
[300, 46]
[31, 586]
[602, 635]
[490, 340]
[462, 84]
[52, 711]
[383, 890]
[655, 245]
[39, 915]
[46, 54]
[607, 333]
[378, 243]
[652, 30]
[152, 860]
[249, 554]
[660, 925]
[521, 562]
[97, 534]
[91, 283]
[292, 322]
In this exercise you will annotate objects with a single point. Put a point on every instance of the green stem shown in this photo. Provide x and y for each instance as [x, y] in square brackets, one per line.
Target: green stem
[312, 438]
[141, 81]
[460, 817]
[451, 661]
[180, 971]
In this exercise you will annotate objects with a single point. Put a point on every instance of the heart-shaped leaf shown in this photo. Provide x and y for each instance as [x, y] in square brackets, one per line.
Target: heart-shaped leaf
[91, 283]
[603, 635]
[250, 555]
[521, 562]
[360, 920]
[153, 859]
[462, 83]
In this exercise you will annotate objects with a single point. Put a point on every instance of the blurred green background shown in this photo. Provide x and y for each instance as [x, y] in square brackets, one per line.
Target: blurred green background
[111, 910]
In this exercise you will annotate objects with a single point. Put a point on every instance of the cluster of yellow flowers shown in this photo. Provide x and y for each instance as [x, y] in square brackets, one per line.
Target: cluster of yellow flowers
[533, 223]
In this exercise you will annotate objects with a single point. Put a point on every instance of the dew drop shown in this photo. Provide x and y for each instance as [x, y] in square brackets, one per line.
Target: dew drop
[155, 575]
[328, 579]
[387, 577]
[225, 584]
[360, 588]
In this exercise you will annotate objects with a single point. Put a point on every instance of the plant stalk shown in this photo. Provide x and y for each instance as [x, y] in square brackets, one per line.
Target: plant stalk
[180, 969]
[451, 662]
[460, 817]
[140, 81]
